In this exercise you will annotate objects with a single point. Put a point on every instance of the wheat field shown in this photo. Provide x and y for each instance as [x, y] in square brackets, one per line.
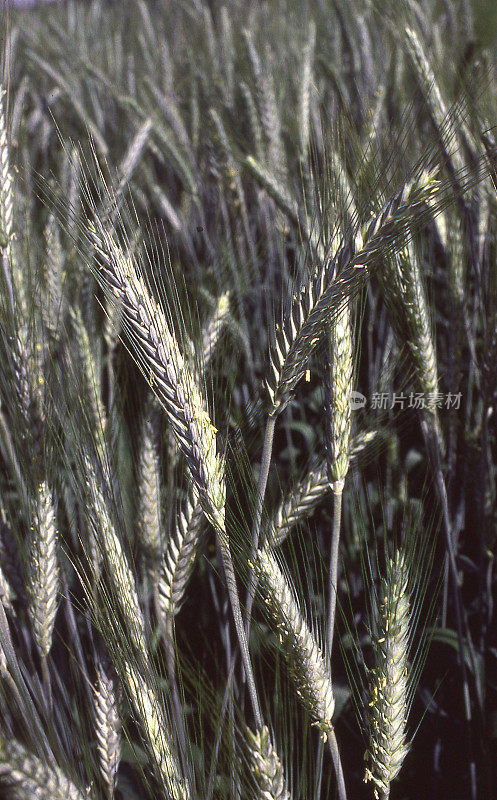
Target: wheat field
[248, 385]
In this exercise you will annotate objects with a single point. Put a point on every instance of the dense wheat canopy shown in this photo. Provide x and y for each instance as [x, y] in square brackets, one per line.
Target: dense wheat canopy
[248, 384]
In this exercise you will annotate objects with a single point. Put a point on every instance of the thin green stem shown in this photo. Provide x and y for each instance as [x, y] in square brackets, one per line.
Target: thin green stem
[337, 763]
[224, 548]
[333, 576]
[432, 439]
[332, 600]
[256, 528]
[167, 632]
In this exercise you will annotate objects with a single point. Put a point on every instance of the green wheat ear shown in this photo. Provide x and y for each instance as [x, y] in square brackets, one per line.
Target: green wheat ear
[388, 706]
[266, 767]
[44, 573]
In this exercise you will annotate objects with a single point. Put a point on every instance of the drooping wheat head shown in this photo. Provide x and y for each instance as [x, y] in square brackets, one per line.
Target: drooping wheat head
[169, 375]
[306, 661]
[332, 283]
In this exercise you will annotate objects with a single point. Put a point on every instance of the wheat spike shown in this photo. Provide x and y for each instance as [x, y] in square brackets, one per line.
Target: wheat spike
[305, 88]
[5, 591]
[308, 494]
[170, 377]
[180, 557]
[25, 777]
[265, 766]
[155, 730]
[44, 573]
[255, 126]
[112, 550]
[443, 123]
[333, 282]
[306, 661]
[174, 384]
[388, 705]
[149, 508]
[28, 382]
[6, 194]
[213, 329]
[268, 111]
[89, 373]
[53, 300]
[107, 727]
[339, 387]
[6, 203]
[405, 295]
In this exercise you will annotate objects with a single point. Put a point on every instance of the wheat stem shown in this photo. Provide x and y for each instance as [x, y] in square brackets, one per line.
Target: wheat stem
[333, 576]
[256, 526]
